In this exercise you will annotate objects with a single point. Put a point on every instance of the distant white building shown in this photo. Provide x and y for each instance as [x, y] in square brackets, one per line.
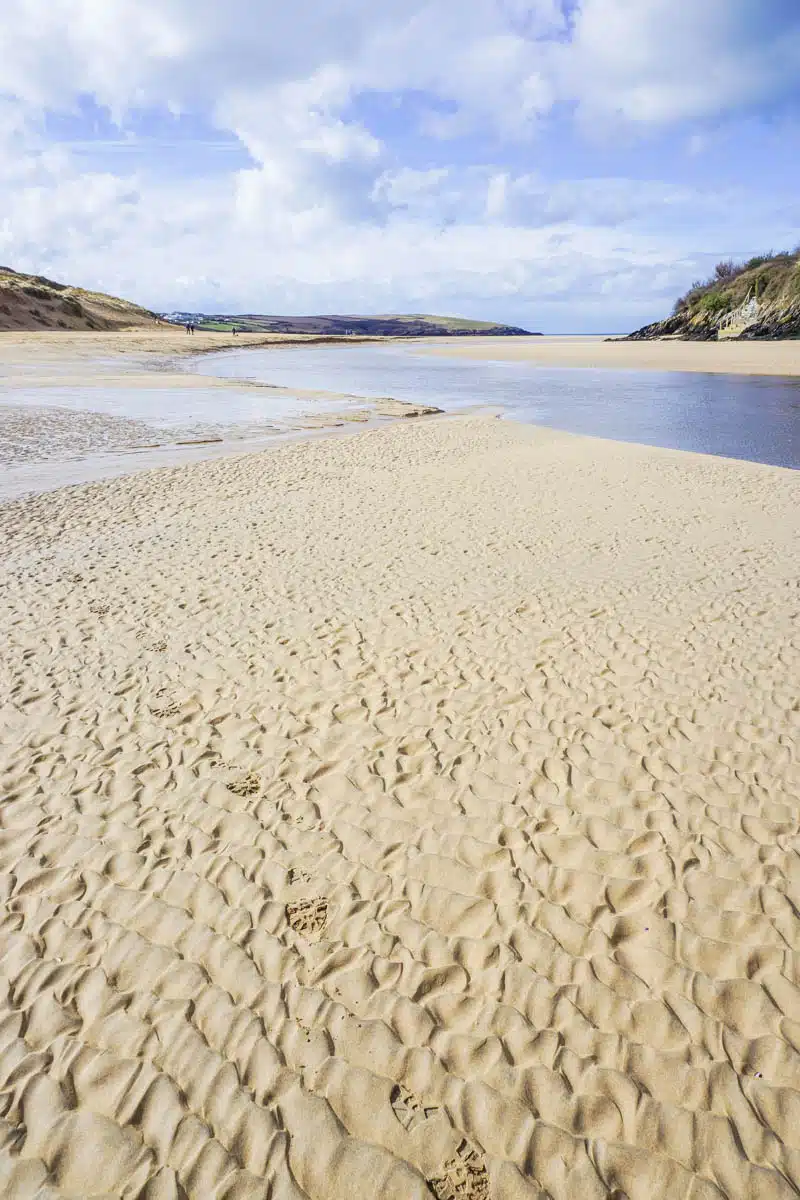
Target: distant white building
[181, 318]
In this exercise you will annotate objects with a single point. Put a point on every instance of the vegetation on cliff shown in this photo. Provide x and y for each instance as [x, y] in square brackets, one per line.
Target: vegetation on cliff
[759, 298]
[33, 302]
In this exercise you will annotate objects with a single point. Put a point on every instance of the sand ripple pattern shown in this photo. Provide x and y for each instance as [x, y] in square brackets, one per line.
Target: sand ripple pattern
[410, 815]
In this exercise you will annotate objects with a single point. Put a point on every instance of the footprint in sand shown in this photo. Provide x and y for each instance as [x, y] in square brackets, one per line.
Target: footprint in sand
[298, 875]
[98, 607]
[407, 1108]
[158, 647]
[464, 1176]
[247, 785]
[163, 706]
[308, 917]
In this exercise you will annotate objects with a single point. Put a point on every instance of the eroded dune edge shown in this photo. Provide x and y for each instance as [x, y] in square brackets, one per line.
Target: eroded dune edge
[404, 815]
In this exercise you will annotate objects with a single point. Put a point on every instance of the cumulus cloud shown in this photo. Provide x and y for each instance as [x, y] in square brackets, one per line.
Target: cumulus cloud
[332, 210]
[659, 61]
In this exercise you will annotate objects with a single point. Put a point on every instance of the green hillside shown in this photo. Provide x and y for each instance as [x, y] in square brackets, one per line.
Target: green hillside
[411, 325]
[756, 299]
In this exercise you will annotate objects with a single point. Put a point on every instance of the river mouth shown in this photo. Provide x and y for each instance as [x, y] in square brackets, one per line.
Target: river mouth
[751, 417]
[239, 400]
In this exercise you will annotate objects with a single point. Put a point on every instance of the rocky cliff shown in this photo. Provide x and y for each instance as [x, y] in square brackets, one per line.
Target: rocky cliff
[756, 299]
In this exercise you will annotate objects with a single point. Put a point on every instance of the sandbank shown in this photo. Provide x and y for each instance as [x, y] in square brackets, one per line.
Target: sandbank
[718, 358]
[407, 814]
[146, 359]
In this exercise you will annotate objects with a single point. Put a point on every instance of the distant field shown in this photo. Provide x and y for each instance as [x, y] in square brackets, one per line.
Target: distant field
[412, 325]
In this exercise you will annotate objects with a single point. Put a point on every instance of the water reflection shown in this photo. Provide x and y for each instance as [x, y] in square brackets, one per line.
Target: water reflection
[173, 408]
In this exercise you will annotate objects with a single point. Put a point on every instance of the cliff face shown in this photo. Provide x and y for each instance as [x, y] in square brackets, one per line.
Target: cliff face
[33, 302]
[757, 299]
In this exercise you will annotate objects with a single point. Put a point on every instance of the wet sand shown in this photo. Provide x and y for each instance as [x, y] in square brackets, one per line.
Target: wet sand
[718, 358]
[406, 814]
[51, 443]
[41, 347]
[62, 355]
[133, 358]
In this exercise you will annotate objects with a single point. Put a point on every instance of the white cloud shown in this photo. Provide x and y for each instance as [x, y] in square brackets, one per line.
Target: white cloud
[327, 217]
[501, 62]
[658, 61]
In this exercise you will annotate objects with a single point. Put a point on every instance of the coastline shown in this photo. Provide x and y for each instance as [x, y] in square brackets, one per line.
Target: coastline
[142, 359]
[403, 811]
[156, 350]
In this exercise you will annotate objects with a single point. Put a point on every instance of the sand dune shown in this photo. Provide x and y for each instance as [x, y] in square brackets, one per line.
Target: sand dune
[402, 815]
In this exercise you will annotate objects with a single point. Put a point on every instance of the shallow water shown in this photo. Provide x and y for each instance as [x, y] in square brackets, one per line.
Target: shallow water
[739, 416]
[54, 436]
[170, 409]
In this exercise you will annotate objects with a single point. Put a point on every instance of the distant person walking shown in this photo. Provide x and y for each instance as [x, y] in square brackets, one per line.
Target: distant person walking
[233, 330]
[188, 327]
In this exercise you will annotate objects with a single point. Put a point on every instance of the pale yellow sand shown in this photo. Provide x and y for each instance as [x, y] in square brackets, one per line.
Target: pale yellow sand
[131, 358]
[413, 806]
[56, 356]
[718, 358]
[47, 347]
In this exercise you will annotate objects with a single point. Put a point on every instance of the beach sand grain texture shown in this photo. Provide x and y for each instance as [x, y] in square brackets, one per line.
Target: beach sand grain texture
[406, 814]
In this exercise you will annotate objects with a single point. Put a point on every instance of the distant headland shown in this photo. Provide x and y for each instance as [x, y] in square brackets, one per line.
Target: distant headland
[412, 325]
[34, 302]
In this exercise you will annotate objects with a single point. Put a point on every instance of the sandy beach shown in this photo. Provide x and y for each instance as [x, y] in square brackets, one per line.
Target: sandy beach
[406, 814]
[718, 358]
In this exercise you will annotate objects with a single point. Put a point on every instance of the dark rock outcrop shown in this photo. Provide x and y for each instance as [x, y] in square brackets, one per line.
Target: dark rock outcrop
[757, 299]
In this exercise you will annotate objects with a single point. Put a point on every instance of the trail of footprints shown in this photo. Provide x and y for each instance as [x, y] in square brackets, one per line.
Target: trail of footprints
[463, 1175]
[472, 905]
[543, 860]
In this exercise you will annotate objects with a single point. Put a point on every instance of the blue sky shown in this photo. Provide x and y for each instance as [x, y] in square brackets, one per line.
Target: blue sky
[569, 167]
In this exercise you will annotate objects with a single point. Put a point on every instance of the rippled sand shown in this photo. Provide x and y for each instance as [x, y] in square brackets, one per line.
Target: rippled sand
[402, 815]
[36, 433]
